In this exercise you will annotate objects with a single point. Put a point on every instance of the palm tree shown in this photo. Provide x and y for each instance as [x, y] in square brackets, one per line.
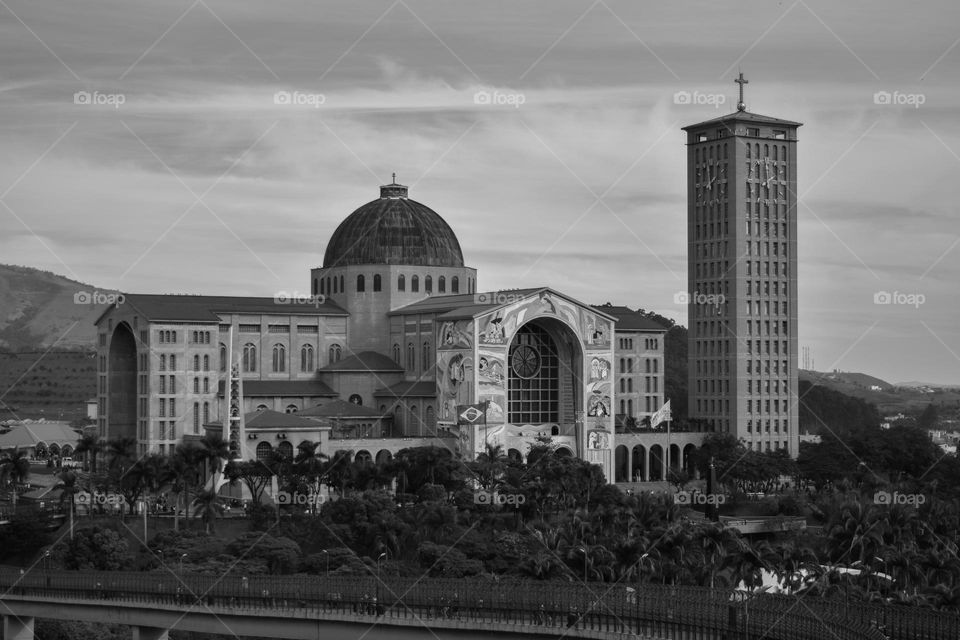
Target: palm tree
[121, 452]
[68, 489]
[217, 450]
[14, 469]
[189, 461]
[207, 507]
[90, 445]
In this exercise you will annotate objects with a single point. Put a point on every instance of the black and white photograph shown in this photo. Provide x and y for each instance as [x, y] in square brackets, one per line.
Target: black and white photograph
[448, 320]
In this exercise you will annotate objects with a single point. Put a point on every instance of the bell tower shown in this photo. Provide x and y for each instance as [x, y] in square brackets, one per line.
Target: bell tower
[742, 277]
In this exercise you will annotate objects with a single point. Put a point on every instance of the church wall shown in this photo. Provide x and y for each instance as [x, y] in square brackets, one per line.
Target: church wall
[592, 437]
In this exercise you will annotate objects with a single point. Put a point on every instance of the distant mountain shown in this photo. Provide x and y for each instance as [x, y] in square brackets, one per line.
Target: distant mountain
[931, 385]
[39, 309]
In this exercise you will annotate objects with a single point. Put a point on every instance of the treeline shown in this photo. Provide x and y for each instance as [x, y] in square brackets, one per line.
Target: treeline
[824, 411]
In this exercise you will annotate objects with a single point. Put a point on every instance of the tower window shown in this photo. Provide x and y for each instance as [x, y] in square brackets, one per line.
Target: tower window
[361, 283]
[306, 358]
[401, 283]
[279, 358]
[249, 358]
[376, 282]
[455, 284]
[441, 285]
[428, 284]
[415, 284]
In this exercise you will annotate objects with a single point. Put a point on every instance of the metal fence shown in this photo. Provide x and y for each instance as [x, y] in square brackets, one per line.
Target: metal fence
[689, 612]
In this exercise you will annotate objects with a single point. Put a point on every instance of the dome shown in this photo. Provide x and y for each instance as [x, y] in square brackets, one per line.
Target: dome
[394, 230]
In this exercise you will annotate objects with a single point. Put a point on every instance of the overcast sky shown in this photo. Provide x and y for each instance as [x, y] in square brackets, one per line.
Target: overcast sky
[199, 182]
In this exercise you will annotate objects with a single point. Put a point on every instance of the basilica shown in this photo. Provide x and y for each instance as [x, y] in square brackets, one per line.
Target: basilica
[396, 346]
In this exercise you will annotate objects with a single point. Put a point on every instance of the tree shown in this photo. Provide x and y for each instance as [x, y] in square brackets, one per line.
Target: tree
[208, 508]
[928, 417]
[255, 474]
[90, 445]
[68, 489]
[121, 452]
[96, 548]
[14, 467]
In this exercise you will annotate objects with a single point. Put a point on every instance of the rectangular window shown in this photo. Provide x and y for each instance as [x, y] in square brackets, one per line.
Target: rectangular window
[249, 328]
[753, 132]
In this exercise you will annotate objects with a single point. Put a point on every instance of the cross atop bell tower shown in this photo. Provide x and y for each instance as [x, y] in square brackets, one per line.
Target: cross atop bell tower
[741, 105]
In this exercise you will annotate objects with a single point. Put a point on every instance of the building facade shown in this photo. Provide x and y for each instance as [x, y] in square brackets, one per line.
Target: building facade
[742, 277]
[392, 340]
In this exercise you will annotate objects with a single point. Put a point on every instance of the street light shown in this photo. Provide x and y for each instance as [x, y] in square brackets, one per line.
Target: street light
[181, 562]
[379, 558]
[584, 550]
[326, 555]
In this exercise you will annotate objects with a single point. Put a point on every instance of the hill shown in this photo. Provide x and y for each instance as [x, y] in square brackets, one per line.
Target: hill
[39, 309]
[888, 398]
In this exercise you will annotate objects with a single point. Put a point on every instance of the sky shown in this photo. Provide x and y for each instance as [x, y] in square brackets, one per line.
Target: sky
[208, 147]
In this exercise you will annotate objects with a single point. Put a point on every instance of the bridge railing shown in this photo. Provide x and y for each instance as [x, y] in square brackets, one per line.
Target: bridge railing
[643, 609]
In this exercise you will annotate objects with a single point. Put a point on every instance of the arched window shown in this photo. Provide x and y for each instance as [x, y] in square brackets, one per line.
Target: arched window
[415, 420]
[426, 354]
[454, 284]
[306, 358]
[285, 449]
[629, 407]
[441, 285]
[261, 407]
[196, 385]
[335, 289]
[376, 282]
[411, 357]
[163, 363]
[249, 357]
[396, 353]
[206, 412]
[323, 288]
[428, 284]
[196, 417]
[356, 399]
[335, 353]
[534, 396]
[263, 451]
[206, 363]
[315, 287]
[342, 288]
[173, 363]
[291, 408]
[361, 283]
[279, 358]
[223, 357]
[401, 283]
[196, 363]
[415, 284]
[206, 385]
[430, 418]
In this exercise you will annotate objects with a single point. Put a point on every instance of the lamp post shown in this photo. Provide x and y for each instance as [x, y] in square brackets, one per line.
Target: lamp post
[584, 550]
[181, 562]
[379, 558]
[326, 556]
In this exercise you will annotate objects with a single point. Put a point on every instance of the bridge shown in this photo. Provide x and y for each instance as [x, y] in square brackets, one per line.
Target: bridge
[347, 607]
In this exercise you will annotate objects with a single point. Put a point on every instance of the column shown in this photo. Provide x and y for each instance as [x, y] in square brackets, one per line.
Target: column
[150, 633]
[17, 628]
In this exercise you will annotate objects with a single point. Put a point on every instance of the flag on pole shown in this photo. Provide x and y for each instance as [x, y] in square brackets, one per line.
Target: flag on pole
[662, 415]
[471, 413]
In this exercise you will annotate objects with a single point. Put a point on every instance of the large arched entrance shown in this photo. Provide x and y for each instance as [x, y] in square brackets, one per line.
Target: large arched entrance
[122, 399]
[621, 469]
[544, 381]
